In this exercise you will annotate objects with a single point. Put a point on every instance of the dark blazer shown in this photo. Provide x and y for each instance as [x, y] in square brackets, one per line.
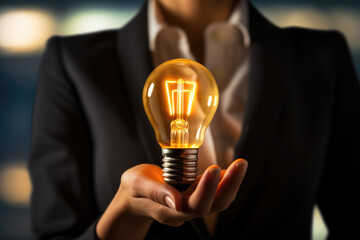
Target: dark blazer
[300, 136]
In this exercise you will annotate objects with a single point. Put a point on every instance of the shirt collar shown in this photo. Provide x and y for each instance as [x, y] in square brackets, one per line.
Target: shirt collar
[239, 17]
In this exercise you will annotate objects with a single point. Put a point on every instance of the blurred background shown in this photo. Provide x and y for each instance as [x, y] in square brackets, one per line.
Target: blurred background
[26, 25]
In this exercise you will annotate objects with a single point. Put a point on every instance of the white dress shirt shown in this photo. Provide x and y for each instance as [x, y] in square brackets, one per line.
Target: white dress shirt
[227, 46]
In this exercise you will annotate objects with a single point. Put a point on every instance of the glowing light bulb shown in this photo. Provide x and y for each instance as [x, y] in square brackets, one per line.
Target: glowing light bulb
[180, 98]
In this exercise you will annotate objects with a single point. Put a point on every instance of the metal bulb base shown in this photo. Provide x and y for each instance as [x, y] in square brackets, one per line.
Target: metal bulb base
[180, 166]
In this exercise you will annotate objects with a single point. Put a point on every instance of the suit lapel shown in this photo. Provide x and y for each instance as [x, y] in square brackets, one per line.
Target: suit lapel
[264, 103]
[264, 107]
[135, 64]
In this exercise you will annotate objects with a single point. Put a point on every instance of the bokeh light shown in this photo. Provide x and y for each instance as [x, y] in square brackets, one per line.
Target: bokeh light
[15, 186]
[348, 22]
[94, 19]
[319, 230]
[307, 17]
[301, 16]
[344, 20]
[25, 31]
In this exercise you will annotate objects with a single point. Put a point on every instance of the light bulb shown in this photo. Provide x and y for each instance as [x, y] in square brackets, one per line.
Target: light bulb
[180, 98]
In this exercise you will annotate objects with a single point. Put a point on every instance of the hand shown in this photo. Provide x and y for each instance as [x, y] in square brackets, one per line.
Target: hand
[143, 197]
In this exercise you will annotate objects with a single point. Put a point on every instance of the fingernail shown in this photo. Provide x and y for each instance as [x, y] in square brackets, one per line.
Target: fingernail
[239, 163]
[170, 202]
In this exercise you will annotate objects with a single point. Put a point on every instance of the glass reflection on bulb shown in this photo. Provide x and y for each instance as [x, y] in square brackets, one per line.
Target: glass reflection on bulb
[180, 98]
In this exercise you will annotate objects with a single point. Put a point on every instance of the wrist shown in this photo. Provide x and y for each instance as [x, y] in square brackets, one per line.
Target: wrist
[128, 208]
[122, 219]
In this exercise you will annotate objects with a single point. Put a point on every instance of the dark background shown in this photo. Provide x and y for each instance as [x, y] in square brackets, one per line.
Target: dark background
[24, 28]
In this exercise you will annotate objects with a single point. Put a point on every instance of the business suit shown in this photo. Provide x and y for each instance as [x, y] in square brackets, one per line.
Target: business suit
[299, 134]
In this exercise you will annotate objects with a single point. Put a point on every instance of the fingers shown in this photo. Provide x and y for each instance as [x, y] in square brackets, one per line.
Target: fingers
[146, 181]
[229, 185]
[200, 201]
[213, 192]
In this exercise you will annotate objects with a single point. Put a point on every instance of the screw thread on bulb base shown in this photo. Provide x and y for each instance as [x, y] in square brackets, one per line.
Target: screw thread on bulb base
[180, 166]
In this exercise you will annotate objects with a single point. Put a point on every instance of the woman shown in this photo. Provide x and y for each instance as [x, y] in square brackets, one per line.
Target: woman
[95, 161]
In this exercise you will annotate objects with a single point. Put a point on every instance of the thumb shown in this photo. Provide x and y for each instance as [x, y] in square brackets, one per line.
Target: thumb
[146, 181]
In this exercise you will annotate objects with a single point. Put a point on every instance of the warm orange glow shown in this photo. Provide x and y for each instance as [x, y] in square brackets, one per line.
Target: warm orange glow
[180, 98]
[178, 88]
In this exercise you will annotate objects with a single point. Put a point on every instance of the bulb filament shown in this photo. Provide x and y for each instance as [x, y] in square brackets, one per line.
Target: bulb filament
[179, 94]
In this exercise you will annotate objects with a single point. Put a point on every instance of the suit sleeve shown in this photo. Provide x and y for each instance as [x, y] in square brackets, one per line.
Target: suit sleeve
[60, 165]
[339, 194]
